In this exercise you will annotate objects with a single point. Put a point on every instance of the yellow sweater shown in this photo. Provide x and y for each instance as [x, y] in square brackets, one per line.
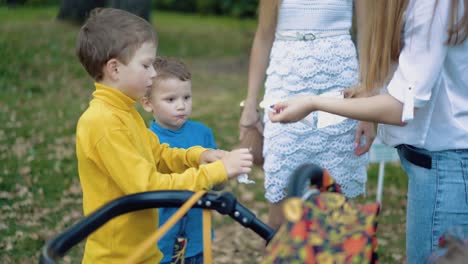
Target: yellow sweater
[117, 156]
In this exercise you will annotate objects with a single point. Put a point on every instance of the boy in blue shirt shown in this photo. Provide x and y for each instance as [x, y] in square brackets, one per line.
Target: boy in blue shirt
[170, 102]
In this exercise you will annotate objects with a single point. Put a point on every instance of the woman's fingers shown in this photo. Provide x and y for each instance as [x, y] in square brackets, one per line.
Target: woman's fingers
[276, 111]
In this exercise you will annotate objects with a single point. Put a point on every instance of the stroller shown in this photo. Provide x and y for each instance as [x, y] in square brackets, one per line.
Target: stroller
[322, 226]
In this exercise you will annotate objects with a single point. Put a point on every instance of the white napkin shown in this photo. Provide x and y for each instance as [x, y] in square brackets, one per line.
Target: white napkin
[244, 178]
[325, 119]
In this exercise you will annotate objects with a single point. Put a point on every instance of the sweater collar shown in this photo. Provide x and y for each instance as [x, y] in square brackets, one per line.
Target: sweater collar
[113, 97]
[157, 127]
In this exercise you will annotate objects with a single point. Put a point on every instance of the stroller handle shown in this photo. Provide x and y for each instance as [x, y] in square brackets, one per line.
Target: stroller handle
[304, 176]
[224, 203]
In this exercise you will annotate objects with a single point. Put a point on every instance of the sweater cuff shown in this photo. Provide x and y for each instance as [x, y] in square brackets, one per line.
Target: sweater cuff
[193, 155]
[216, 172]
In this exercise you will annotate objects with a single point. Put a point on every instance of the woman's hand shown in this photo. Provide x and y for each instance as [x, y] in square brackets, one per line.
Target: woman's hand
[249, 118]
[291, 110]
[366, 129]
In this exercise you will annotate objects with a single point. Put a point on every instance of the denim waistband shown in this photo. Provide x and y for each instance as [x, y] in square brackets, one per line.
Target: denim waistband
[424, 158]
[415, 156]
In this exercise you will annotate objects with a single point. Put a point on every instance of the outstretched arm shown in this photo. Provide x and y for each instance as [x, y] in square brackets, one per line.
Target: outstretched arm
[379, 108]
[133, 173]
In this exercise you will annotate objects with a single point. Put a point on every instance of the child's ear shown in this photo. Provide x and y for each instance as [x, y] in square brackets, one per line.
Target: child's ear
[145, 102]
[111, 69]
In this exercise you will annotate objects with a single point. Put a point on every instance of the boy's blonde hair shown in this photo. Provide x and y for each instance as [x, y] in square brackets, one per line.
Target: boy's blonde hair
[111, 33]
[170, 68]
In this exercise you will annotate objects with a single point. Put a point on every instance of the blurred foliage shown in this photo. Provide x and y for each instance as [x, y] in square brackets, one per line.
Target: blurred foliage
[30, 2]
[234, 8]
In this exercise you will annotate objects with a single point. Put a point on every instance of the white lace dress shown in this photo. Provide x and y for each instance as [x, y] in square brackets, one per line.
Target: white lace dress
[318, 66]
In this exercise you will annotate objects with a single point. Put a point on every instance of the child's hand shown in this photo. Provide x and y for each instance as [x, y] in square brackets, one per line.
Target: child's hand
[237, 162]
[212, 155]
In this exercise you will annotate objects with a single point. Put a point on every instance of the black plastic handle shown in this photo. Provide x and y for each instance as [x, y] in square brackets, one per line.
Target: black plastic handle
[225, 203]
[304, 176]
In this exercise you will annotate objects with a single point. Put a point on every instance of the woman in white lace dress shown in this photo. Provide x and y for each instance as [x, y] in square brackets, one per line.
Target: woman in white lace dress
[305, 47]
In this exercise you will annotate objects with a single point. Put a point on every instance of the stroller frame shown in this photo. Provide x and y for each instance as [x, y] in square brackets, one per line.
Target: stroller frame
[224, 203]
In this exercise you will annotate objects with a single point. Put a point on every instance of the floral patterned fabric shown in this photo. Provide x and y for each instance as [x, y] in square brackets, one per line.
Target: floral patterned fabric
[326, 229]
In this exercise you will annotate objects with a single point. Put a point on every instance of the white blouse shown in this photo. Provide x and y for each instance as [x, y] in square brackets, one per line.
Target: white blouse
[431, 80]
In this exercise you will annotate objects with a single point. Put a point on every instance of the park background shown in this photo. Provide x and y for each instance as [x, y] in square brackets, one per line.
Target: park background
[44, 89]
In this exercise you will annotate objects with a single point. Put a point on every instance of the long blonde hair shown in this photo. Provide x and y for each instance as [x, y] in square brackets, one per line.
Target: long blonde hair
[458, 29]
[381, 40]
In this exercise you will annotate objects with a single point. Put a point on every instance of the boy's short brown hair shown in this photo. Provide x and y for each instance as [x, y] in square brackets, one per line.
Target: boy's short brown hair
[170, 68]
[455, 251]
[111, 33]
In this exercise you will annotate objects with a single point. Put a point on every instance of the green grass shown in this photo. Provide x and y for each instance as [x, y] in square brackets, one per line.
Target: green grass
[44, 91]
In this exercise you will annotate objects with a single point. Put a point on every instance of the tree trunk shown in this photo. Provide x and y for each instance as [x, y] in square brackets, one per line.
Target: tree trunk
[77, 10]
[140, 8]
[13, 3]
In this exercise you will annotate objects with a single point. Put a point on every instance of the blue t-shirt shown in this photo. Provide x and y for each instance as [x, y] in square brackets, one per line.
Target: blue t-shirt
[190, 134]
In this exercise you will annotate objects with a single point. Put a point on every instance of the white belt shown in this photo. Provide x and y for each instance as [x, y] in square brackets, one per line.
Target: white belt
[309, 36]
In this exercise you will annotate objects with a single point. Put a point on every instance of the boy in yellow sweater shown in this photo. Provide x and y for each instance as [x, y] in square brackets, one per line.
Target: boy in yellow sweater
[117, 154]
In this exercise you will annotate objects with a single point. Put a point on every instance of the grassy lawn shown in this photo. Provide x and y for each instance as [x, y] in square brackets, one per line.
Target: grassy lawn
[44, 91]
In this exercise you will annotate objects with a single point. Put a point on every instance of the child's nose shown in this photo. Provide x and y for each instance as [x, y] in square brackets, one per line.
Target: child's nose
[152, 72]
[180, 105]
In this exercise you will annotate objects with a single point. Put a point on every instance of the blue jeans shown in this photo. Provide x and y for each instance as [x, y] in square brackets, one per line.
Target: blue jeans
[197, 259]
[437, 201]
